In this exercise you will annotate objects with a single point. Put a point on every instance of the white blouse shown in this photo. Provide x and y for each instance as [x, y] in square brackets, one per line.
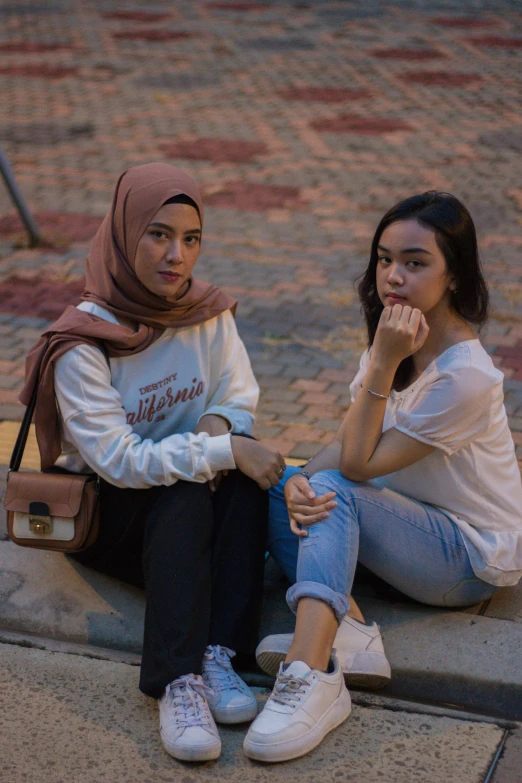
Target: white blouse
[133, 423]
[457, 406]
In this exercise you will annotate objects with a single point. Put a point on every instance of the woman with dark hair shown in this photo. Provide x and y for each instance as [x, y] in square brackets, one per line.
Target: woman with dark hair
[420, 484]
[147, 384]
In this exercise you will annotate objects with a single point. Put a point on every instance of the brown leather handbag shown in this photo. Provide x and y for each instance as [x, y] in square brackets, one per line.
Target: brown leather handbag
[54, 510]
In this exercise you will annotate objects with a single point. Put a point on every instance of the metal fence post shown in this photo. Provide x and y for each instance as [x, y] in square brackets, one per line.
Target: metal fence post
[19, 201]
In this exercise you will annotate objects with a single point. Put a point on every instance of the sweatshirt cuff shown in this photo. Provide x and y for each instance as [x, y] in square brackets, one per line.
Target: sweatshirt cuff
[218, 453]
[221, 412]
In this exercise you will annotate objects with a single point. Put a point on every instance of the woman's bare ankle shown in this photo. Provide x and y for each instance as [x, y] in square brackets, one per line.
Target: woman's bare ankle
[354, 612]
[315, 629]
[314, 659]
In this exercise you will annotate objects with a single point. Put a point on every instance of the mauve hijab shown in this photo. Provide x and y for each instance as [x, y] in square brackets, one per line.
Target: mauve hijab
[110, 281]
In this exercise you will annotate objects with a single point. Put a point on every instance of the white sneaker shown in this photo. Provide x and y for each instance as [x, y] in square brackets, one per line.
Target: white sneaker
[187, 728]
[359, 649]
[303, 707]
[232, 700]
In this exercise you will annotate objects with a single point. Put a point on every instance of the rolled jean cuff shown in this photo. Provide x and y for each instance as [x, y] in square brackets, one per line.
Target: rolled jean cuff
[337, 601]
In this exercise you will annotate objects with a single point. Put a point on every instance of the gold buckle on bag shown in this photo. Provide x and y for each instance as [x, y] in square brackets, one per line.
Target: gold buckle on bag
[40, 520]
[40, 525]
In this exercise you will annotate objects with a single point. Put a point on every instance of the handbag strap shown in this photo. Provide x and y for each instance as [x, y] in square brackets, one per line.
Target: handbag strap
[23, 432]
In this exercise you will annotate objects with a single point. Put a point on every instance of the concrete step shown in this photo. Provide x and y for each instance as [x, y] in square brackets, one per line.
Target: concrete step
[446, 656]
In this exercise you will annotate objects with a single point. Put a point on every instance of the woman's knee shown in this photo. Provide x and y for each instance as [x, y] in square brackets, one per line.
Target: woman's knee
[182, 505]
[346, 492]
[333, 481]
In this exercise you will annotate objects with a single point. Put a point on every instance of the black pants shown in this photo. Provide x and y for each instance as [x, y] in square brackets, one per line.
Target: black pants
[200, 558]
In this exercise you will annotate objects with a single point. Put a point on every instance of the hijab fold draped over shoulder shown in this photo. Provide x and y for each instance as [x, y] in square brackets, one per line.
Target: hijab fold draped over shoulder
[111, 282]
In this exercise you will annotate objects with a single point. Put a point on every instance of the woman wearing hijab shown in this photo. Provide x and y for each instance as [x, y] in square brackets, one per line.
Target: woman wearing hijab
[155, 394]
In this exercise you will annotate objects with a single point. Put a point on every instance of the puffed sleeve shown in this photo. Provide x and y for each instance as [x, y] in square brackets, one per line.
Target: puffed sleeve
[452, 411]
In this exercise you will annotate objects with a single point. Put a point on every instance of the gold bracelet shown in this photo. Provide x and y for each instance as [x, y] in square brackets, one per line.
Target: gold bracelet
[376, 394]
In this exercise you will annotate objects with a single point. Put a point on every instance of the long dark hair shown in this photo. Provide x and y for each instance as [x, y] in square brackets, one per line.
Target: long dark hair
[457, 240]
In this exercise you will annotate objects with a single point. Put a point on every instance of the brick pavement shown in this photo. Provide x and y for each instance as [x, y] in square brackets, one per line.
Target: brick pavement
[302, 122]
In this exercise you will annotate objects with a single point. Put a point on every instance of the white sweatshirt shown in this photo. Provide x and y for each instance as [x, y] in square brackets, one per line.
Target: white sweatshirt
[133, 423]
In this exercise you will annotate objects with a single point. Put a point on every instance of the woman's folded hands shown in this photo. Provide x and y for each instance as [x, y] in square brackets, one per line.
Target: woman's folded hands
[260, 462]
[304, 507]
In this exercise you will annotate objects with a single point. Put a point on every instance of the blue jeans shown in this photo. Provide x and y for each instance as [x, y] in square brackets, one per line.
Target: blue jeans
[413, 546]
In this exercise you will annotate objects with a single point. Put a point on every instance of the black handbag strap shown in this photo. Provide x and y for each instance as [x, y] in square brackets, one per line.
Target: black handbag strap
[23, 432]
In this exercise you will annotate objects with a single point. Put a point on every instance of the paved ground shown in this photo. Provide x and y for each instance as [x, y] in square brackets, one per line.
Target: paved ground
[72, 718]
[303, 122]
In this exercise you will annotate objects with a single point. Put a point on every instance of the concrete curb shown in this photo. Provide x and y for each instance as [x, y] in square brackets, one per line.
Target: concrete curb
[453, 657]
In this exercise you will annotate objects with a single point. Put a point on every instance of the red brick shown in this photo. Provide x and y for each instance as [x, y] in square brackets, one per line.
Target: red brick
[305, 434]
[509, 350]
[325, 411]
[306, 451]
[8, 396]
[318, 398]
[322, 94]
[306, 385]
[11, 368]
[513, 361]
[283, 444]
[293, 288]
[39, 297]
[366, 126]
[440, 78]
[496, 41]
[152, 35]
[463, 21]
[238, 6]
[216, 150]
[136, 16]
[58, 228]
[416, 55]
[277, 407]
[255, 197]
[331, 374]
[32, 47]
[39, 71]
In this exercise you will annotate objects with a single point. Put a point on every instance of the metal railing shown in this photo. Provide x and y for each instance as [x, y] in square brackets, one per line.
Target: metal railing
[6, 171]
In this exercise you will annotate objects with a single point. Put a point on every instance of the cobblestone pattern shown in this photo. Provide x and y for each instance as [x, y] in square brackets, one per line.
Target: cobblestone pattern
[303, 123]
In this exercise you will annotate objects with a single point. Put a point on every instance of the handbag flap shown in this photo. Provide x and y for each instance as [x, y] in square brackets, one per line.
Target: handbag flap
[60, 491]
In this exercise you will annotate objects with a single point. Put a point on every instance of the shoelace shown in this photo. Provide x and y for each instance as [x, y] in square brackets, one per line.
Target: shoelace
[188, 696]
[289, 690]
[219, 669]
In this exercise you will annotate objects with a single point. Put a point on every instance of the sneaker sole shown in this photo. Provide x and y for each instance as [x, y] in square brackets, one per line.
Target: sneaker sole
[292, 749]
[243, 715]
[269, 661]
[190, 753]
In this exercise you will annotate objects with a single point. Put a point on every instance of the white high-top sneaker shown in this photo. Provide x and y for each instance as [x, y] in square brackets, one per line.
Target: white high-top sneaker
[231, 701]
[303, 707]
[359, 649]
[187, 728]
